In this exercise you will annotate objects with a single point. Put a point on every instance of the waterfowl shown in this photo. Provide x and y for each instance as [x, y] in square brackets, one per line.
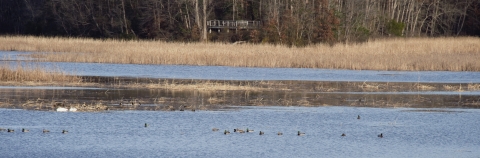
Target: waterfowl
[262, 133]
[279, 133]
[249, 130]
[380, 135]
[45, 131]
[3, 129]
[214, 129]
[146, 125]
[25, 130]
[72, 109]
[300, 134]
[238, 130]
[343, 135]
[10, 130]
[62, 109]
[358, 117]
[64, 131]
[226, 132]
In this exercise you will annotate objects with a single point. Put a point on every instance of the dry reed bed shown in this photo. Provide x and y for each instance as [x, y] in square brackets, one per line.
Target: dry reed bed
[33, 74]
[413, 54]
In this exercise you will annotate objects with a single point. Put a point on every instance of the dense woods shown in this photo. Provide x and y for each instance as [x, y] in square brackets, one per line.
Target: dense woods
[290, 22]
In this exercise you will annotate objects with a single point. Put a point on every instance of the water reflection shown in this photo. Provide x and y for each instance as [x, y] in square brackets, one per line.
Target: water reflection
[165, 99]
[243, 73]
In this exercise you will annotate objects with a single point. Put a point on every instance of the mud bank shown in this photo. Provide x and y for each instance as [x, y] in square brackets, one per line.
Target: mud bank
[117, 93]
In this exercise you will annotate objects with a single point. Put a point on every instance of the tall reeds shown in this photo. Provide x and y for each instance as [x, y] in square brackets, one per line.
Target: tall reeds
[31, 73]
[411, 54]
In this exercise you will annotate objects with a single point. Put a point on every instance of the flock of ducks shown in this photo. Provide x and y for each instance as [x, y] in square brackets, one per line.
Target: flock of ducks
[236, 130]
[26, 130]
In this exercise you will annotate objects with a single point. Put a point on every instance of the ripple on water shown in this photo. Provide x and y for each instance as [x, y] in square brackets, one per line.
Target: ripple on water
[188, 134]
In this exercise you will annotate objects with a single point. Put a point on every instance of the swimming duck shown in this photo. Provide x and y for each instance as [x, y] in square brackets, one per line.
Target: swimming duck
[249, 130]
[300, 134]
[343, 135]
[10, 130]
[25, 130]
[64, 131]
[3, 129]
[279, 133]
[214, 129]
[358, 117]
[226, 132]
[146, 125]
[262, 133]
[380, 135]
[238, 130]
[45, 131]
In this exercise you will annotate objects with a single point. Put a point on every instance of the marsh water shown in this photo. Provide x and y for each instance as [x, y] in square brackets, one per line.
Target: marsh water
[406, 133]
[244, 73]
[442, 123]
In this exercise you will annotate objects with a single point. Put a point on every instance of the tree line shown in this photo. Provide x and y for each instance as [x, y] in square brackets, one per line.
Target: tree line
[290, 22]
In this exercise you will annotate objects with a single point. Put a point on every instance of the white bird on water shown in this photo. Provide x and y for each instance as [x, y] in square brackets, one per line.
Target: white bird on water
[61, 109]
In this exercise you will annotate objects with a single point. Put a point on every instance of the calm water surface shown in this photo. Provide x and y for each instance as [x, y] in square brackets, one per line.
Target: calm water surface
[243, 73]
[407, 133]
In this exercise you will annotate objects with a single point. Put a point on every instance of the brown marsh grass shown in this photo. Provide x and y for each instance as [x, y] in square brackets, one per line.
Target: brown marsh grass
[200, 86]
[411, 54]
[33, 74]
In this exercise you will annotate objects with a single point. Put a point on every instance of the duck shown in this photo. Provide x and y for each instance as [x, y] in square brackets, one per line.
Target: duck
[3, 129]
[358, 117]
[300, 133]
[64, 131]
[146, 125]
[380, 135]
[238, 130]
[45, 131]
[226, 132]
[215, 129]
[343, 135]
[250, 130]
[279, 133]
[10, 130]
[25, 130]
[262, 133]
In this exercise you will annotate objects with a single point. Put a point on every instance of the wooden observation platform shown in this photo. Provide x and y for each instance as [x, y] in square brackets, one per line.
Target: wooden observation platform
[232, 25]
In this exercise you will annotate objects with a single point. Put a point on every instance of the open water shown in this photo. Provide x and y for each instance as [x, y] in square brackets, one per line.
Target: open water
[243, 73]
[407, 133]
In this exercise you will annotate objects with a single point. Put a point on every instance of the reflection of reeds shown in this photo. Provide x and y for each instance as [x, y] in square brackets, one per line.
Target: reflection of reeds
[451, 54]
[29, 73]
